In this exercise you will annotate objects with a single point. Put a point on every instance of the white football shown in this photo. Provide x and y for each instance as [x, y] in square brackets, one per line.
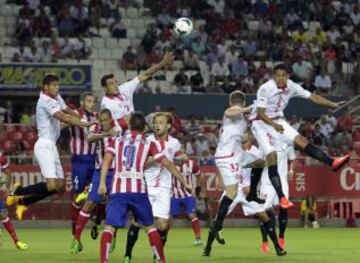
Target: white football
[183, 27]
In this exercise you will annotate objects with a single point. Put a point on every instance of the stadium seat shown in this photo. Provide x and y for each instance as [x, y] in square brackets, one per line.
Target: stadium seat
[122, 11]
[99, 64]
[10, 21]
[347, 68]
[126, 22]
[170, 75]
[9, 147]
[6, 10]
[140, 32]
[313, 25]
[253, 25]
[132, 12]
[111, 64]
[177, 64]
[104, 32]
[98, 42]
[111, 42]
[130, 74]
[135, 42]
[131, 33]
[138, 23]
[2, 32]
[105, 53]
[94, 54]
[116, 53]
[124, 43]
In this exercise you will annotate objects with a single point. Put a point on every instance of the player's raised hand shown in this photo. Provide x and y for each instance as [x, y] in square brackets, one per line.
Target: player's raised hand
[340, 103]
[102, 190]
[278, 128]
[167, 59]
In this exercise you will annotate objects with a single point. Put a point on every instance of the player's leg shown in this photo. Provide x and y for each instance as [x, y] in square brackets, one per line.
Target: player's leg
[254, 181]
[190, 210]
[265, 244]
[132, 237]
[5, 220]
[320, 155]
[271, 231]
[282, 220]
[161, 212]
[141, 207]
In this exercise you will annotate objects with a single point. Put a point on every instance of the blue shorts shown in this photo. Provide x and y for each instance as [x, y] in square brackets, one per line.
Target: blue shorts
[94, 185]
[188, 203]
[82, 169]
[2, 206]
[120, 204]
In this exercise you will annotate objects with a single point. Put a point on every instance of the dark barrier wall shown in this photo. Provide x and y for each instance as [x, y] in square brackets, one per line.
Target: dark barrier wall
[213, 106]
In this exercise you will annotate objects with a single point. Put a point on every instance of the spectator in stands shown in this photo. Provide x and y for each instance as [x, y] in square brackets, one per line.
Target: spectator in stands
[66, 25]
[198, 46]
[201, 145]
[333, 34]
[292, 20]
[82, 48]
[325, 129]
[330, 55]
[111, 9]
[331, 120]
[342, 17]
[212, 56]
[33, 55]
[228, 87]
[162, 44]
[263, 72]
[320, 37]
[308, 212]
[323, 82]
[128, 61]
[302, 69]
[239, 68]
[16, 57]
[220, 70]
[95, 12]
[23, 30]
[308, 85]
[249, 46]
[9, 116]
[149, 39]
[141, 60]
[345, 122]
[163, 18]
[355, 15]
[317, 137]
[80, 15]
[153, 57]
[118, 29]
[231, 55]
[191, 61]
[181, 82]
[300, 36]
[45, 52]
[67, 50]
[348, 30]
[190, 147]
[42, 25]
[22, 53]
[197, 82]
[54, 46]
[207, 159]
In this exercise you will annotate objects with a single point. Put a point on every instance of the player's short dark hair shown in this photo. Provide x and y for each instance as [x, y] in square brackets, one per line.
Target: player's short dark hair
[237, 97]
[105, 78]
[281, 66]
[86, 94]
[49, 78]
[137, 121]
[105, 111]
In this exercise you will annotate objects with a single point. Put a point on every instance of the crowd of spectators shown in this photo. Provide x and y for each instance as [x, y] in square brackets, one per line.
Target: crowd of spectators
[312, 37]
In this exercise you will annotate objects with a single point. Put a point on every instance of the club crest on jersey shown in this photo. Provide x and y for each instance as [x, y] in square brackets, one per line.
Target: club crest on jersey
[129, 153]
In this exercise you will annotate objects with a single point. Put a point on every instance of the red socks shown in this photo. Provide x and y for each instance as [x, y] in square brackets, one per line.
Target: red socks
[81, 223]
[156, 244]
[195, 223]
[9, 227]
[105, 245]
[75, 209]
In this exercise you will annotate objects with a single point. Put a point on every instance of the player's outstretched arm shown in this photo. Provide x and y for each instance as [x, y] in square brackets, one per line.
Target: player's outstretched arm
[317, 99]
[68, 119]
[175, 172]
[72, 113]
[236, 111]
[94, 137]
[262, 116]
[167, 60]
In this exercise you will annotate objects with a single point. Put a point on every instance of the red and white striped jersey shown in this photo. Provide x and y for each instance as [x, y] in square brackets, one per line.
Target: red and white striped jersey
[156, 175]
[79, 143]
[188, 169]
[101, 146]
[130, 153]
[4, 163]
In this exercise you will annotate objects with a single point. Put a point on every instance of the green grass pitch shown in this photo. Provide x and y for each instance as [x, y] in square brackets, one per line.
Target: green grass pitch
[330, 245]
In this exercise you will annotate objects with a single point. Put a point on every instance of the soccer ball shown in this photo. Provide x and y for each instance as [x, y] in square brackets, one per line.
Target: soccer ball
[183, 27]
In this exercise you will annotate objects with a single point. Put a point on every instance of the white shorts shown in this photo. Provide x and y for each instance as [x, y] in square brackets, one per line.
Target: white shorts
[249, 208]
[48, 158]
[268, 193]
[269, 139]
[160, 202]
[228, 168]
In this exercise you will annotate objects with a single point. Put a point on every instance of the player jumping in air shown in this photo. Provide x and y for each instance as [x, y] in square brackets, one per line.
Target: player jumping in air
[269, 125]
[50, 110]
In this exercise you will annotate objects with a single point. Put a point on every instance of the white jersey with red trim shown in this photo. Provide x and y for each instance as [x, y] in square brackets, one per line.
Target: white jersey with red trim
[48, 127]
[188, 169]
[230, 135]
[274, 100]
[122, 104]
[248, 156]
[79, 143]
[4, 163]
[156, 175]
[130, 153]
